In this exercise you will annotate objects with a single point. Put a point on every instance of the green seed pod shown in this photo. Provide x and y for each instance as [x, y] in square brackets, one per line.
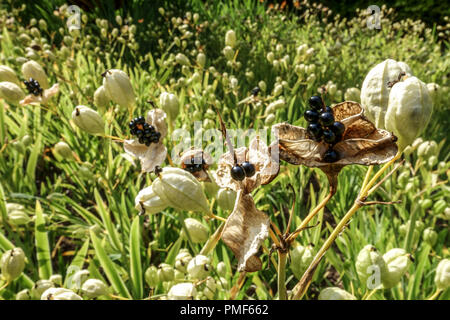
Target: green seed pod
[275, 105]
[425, 203]
[32, 69]
[442, 278]
[39, 287]
[42, 24]
[149, 202]
[23, 295]
[226, 199]
[78, 279]
[427, 149]
[270, 119]
[197, 231]
[409, 110]
[59, 294]
[11, 92]
[201, 59]
[221, 269]
[211, 188]
[210, 288]
[35, 32]
[56, 279]
[228, 52]
[119, 20]
[26, 140]
[151, 276]
[118, 87]
[63, 150]
[230, 38]
[179, 275]
[370, 262]
[181, 190]
[182, 260]
[182, 59]
[101, 98]
[12, 264]
[352, 94]
[18, 218]
[398, 262]
[182, 291]
[439, 207]
[88, 120]
[301, 257]
[430, 236]
[24, 38]
[170, 104]
[199, 267]
[403, 178]
[93, 288]
[7, 74]
[262, 85]
[335, 293]
[165, 272]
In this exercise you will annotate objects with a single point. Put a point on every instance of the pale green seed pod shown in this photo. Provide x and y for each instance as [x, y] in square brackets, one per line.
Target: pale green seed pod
[88, 120]
[59, 294]
[182, 59]
[426, 204]
[435, 92]
[63, 150]
[270, 119]
[26, 140]
[18, 218]
[56, 279]
[230, 38]
[93, 288]
[439, 207]
[179, 275]
[201, 59]
[375, 91]
[262, 85]
[370, 263]
[197, 231]
[442, 278]
[226, 199]
[270, 57]
[170, 104]
[228, 52]
[275, 105]
[398, 262]
[409, 110]
[199, 267]
[149, 202]
[221, 269]
[210, 288]
[182, 260]
[301, 257]
[101, 98]
[23, 295]
[430, 236]
[277, 90]
[11, 92]
[78, 279]
[427, 149]
[352, 94]
[151, 276]
[40, 286]
[118, 87]
[335, 293]
[12, 264]
[8, 74]
[182, 291]
[181, 190]
[32, 69]
[42, 24]
[165, 272]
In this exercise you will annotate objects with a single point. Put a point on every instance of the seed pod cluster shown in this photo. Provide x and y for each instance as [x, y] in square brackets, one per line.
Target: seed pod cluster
[240, 171]
[145, 132]
[33, 87]
[194, 166]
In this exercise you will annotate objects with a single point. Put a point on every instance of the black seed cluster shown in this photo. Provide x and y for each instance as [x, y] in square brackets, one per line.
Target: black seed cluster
[255, 91]
[145, 132]
[240, 171]
[194, 167]
[33, 87]
[322, 127]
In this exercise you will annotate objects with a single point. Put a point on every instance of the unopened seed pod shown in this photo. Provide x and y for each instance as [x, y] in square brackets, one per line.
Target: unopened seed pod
[40, 286]
[93, 288]
[18, 217]
[270, 119]
[199, 267]
[12, 264]
[442, 278]
[352, 94]
[88, 120]
[151, 276]
[210, 288]
[101, 98]
[228, 52]
[182, 291]
[11, 92]
[226, 198]
[182, 260]
[56, 279]
[201, 59]
[23, 295]
[181, 190]
[427, 149]
[118, 87]
[275, 105]
[182, 59]
[370, 263]
[63, 150]
[230, 38]
[170, 104]
[335, 293]
[439, 206]
[409, 110]
[32, 69]
[165, 272]
[398, 262]
[221, 269]
[78, 278]
[301, 257]
[147, 201]
[198, 233]
[59, 294]
[430, 236]
[8, 74]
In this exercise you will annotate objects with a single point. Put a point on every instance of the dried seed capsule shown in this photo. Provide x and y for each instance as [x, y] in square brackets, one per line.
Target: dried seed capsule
[182, 291]
[88, 120]
[11, 92]
[32, 69]
[398, 262]
[118, 87]
[12, 264]
[335, 293]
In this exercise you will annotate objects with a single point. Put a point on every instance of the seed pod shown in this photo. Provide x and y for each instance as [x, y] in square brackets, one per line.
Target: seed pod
[427, 149]
[39, 287]
[101, 98]
[439, 207]
[398, 262]
[88, 120]
[93, 288]
[221, 269]
[170, 104]
[430, 236]
[118, 87]
[369, 262]
[149, 202]
[59, 294]
[151, 276]
[182, 260]
[181, 190]
[409, 110]
[182, 291]
[353, 94]
[199, 267]
[56, 279]
[335, 293]
[182, 59]
[275, 105]
[8, 74]
[32, 69]
[270, 57]
[201, 59]
[226, 198]
[210, 288]
[262, 85]
[301, 257]
[228, 52]
[435, 92]
[442, 278]
[23, 295]
[270, 119]
[165, 272]
[426, 204]
[11, 92]
[230, 38]
[197, 231]
[63, 150]
[18, 218]
[12, 264]
[375, 90]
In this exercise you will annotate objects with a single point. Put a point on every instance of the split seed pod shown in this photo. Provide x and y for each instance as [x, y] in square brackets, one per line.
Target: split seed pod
[118, 87]
[200, 158]
[88, 120]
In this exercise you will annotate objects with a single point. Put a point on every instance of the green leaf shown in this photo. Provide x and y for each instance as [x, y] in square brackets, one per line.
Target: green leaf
[78, 261]
[173, 252]
[135, 259]
[106, 218]
[42, 246]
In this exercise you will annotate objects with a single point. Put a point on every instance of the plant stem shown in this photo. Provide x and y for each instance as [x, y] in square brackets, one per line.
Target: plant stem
[282, 294]
[212, 241]
[435, 295]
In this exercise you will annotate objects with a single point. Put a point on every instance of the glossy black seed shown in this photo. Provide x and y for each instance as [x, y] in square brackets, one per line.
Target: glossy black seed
[139, 133]
[330, 156]
[326, 119]
[255, 91]
[198, 167]
[311, 115]
[315, 131]
[315, 102]
[141, 140]
[329, 136]
[328, 109]
[33, 87]
[249, 168]
[147, 143]
[131, 125]
[141, 120]
[237, 173]
[338, 128]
